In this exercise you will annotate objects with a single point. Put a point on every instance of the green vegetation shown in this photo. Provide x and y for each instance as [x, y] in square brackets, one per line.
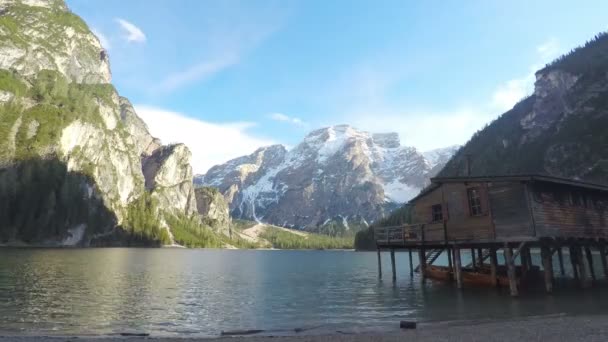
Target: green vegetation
[142, 221]
[282, 239]
[239, 224]
[584, 59]
[11, 81]
[190, 232]
[40, 201]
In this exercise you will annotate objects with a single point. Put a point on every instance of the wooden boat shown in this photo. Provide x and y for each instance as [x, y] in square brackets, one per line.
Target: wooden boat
[480, 276]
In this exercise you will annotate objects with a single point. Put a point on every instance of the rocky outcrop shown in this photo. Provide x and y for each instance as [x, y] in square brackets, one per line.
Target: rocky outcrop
[59, 109]
[213, 209]
[168, 175]
[559, 130]
[338, 176]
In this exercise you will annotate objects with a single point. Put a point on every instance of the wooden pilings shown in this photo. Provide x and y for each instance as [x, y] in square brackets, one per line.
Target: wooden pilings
[511, 271]
[457, 267]
[560, 256]
[590, 262]
[411, 263]
[394, 267]
[602, 249]
[545, 253]
[379, 265]
[494, 266]
[422, 260]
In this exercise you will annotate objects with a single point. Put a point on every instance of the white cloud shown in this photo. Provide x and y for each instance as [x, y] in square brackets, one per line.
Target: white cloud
[197, 73]
[285, 118]
[509, 93]
[132, 33]
[105, 42]
[210, 143]
[371, 108]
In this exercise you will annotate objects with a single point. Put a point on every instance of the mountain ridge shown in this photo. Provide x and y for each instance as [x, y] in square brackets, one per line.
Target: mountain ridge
[356, 177]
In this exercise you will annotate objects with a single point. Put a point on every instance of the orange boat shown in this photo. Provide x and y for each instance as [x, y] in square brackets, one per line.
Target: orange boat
[480, 276]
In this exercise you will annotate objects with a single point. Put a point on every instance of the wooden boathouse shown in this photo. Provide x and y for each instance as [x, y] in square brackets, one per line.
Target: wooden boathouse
[512, 213]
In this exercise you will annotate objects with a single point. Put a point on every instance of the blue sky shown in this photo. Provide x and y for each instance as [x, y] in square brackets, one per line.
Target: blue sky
[226, 77]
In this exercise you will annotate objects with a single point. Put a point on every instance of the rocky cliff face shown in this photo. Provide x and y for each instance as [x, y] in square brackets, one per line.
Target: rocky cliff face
[338, 178]
[58, 108]
[214, 210]
[559, 130]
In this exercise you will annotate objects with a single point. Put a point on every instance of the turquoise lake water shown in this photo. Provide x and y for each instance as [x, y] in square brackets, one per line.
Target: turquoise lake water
[194, 292]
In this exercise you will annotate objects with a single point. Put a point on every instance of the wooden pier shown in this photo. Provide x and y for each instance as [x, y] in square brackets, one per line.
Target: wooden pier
[508, 214]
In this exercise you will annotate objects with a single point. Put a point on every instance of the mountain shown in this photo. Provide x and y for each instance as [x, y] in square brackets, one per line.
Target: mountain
[77, 165]
[559, 130]
[338, 178]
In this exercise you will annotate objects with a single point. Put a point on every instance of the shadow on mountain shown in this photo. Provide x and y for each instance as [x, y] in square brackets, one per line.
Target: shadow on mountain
[42, 203]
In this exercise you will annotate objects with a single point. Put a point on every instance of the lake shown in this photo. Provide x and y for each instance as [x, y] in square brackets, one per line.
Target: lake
[195, 292]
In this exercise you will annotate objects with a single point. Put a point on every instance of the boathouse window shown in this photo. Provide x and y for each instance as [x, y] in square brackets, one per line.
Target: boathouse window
[437, 213]
[474, 201]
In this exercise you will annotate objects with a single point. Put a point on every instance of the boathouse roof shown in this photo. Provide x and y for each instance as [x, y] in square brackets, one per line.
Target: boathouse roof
[437, 181]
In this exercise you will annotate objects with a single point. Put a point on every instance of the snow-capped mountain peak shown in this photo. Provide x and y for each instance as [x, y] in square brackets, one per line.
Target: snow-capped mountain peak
[335, 173]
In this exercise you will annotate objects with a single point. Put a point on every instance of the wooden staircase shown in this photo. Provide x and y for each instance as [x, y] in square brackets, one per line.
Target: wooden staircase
[431, 256]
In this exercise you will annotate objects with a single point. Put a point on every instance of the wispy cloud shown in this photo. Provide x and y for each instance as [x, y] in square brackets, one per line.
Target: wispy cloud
[510, 92]
[105, 42]
[371, 107]
[132, 33]
[286, 118]
[225, 44]
[198, 72]
[210, 143]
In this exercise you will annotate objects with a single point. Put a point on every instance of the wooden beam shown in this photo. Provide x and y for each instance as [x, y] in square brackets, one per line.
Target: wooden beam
[411, 263]
[493, 266]
[590, 262]
[480, 257]
[448, 250]
[457, 267]
[524, 263]
[393, 264]
[511, 271]
[560, 256]
[379, 265]
[547, 268]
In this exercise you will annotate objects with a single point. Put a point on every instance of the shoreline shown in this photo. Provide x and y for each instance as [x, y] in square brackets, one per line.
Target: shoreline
[558, 327]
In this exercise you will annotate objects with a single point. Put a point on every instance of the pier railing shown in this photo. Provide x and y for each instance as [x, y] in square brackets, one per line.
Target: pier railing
[399, 235]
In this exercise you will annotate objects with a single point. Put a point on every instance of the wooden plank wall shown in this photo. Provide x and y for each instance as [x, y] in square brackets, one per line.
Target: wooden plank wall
[510, 211]
[461, 226]
[557, 215]
[433, 231]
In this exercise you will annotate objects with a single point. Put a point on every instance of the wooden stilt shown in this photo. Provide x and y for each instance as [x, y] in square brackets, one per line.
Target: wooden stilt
[574, 263]
[582, 268]
[602, 248]
[457, 267]
[422, 258]
[560, 256]
[525, 264]
[547, 268]
[480, 256]
[473, 260]
[590, 262]
[379, 265]
[450, 264]
[493, 266]
[511, 271]
[411, 263]
[393, 264]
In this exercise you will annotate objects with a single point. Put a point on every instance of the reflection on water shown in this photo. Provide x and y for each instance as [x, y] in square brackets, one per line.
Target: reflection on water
[202, 292]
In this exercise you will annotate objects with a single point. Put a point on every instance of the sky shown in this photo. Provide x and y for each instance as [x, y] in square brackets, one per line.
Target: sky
[226, 77]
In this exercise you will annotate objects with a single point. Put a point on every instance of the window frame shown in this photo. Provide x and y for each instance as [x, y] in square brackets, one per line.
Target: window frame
[474, 202]
[434, 213]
